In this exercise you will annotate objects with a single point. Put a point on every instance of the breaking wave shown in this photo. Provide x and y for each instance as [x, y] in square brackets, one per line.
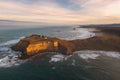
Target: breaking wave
[78, 33]
[11, 42]
[86, 54]
[10, 58]
[95, 54]
[84, 34]
[89, 56]
[58, 57]
[4, 49]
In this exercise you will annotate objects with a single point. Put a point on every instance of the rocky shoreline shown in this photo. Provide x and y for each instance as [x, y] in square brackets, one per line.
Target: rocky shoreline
[35, 44]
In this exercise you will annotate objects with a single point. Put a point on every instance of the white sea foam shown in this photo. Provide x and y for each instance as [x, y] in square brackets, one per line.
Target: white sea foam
[59, 57]
[85, 54]
[85, 33]
[4, 49]
[10, 60]
[79, 33]
[11, 42]
[112, 54]
[73, 62]
[89, 56]
[94, 54]
[82, 33]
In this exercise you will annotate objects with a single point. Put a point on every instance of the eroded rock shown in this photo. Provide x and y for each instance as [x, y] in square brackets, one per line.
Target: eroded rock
[35, 44]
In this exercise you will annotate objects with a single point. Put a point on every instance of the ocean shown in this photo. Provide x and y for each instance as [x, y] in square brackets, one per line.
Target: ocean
[82, 65]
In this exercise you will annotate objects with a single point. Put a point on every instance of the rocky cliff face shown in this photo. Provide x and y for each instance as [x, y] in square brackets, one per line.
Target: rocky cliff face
[103, 42]
[35, 44]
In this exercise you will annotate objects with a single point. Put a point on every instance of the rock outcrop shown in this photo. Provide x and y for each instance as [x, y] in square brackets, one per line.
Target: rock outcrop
[35, 44]
[100, 43]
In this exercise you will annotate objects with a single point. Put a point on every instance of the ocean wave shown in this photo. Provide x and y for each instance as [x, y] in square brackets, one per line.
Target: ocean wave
[112, 54]
[4, 49]
[88, 56]
[10, 60]
[85, 33]
[56, 58]
[78, 33]
[95, 54]
[11, 42]
[59, 57]
[73, 62]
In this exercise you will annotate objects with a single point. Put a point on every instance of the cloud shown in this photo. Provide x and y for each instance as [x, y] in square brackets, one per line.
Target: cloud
[99, 7]
[54, 11]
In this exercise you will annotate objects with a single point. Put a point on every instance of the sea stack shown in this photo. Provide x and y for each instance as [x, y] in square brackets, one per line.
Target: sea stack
[35, 44]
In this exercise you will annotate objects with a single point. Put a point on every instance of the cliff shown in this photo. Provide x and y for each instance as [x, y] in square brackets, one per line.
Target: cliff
[102, 43]
[35, 44]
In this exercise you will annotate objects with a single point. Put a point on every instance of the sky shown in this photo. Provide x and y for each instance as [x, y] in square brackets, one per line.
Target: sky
[57, 12]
